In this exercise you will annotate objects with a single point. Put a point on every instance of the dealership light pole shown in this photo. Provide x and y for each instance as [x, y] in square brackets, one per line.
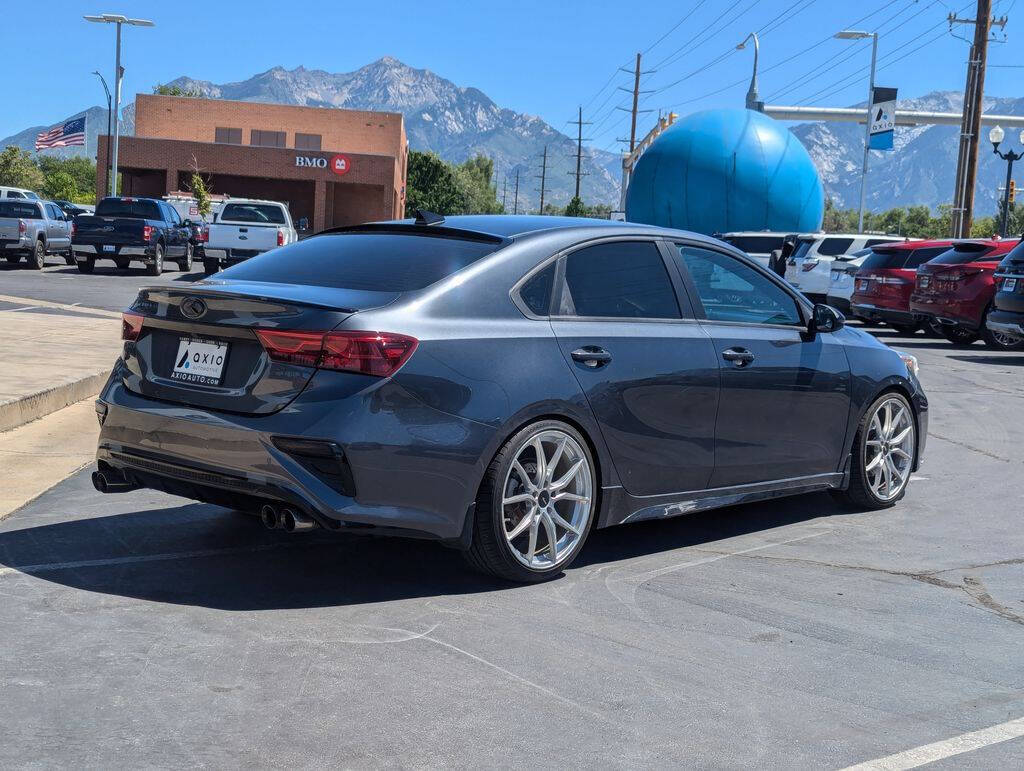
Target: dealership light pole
[852, 34]
[996, 136]
[113, 18]
[106, 166]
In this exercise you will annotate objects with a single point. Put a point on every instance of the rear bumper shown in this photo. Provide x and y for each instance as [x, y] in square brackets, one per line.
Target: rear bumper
[883, 314]
[91, 251]
[226, 256]
[1007, 323]
[947, 311]
[21, 245]
[402, 482]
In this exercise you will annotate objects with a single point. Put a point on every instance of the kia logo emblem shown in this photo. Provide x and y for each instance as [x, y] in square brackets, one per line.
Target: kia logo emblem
[192, 308]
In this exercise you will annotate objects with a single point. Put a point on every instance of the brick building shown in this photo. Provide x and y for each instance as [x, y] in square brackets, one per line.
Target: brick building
[332, 167]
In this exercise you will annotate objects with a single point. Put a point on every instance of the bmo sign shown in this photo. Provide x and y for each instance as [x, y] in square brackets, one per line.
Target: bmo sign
[339, 164]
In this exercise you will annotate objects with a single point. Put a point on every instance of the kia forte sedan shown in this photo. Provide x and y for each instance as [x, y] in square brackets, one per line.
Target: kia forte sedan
[502, 384]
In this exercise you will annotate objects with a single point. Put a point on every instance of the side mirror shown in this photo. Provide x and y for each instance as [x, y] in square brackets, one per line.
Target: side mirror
[825, 318]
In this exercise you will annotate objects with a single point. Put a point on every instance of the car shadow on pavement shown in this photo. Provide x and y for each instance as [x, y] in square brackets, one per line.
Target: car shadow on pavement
[1009, 359]
[210, 557]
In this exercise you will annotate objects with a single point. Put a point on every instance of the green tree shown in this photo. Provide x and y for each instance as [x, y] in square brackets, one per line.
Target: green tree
[200, 193]
[575, 208]
[60, 186]
[474, 178]
[81, 170]
[18, 170]
[167, 90]
[432, 185]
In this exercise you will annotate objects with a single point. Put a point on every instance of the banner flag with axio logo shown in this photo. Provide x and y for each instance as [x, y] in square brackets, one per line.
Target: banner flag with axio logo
[883, 118]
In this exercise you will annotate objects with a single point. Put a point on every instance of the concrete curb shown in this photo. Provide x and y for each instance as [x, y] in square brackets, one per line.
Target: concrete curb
[18, 412]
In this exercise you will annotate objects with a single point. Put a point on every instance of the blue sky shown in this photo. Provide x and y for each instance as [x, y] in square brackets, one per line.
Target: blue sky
[542, 58]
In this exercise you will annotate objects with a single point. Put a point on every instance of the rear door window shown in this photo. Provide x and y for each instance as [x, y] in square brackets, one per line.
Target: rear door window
[383, 262]
[620, 279]
[830, 247]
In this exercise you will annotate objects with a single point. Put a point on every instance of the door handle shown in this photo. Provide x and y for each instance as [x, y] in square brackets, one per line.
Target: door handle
[741, 357]
[591, 356]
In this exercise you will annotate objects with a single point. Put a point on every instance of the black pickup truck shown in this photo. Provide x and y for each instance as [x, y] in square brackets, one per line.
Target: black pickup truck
[125, 229]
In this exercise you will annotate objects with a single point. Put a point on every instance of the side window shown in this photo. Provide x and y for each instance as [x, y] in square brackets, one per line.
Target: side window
[830, 247]
[175, 217]
[50, 213]
[622, 279]
[921, 256]
[14, 194]
[536, 293]
[732, 291]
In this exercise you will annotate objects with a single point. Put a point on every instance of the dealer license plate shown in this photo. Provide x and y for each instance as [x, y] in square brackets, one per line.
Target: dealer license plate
[1009, 284]
[200, 361]
[108, 248]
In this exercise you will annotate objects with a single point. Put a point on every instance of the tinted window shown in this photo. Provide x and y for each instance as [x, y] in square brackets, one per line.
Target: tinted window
[128, 207]
[32, 195]
[921, 256]
[886, 259]
[830, 247]
[268, 214]
[732, 291]
[384, 262]
[755, 244]
[307, 141]
[20, 209]
[624, 279]
[876, 241]
[228, 136]
[267, 138]
[536, 293]
[803, 246]
[14, 194]
[963, 253]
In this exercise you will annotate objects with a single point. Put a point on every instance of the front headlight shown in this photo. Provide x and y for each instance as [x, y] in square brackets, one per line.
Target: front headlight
[911, 361]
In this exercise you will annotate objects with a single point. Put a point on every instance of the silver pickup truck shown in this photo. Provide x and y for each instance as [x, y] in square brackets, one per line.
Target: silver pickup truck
[33, 229]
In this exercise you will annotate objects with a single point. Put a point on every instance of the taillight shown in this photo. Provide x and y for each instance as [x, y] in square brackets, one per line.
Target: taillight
[368, 353]
[809, 265]
[204, 234]
[74, 229]
[22, 228]
[280, 238]
[958, 274]
[131, 326]
[147, 232]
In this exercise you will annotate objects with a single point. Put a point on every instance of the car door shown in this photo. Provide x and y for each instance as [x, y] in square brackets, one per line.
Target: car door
[56, 228]
[785, 393]
[175, 243]
[648, 369]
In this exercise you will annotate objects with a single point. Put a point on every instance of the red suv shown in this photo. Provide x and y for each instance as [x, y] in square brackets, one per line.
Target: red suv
[882, 285]
[957, 288]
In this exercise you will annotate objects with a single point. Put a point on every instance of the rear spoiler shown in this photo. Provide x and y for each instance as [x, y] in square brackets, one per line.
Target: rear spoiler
[437, 231]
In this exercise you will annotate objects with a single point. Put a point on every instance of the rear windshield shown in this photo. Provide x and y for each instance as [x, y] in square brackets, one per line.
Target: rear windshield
[830, 247]
[962, 254]
[803, 246]
[380, 262]
[1014, 255]
[19, 209]
[755, 244]
[128, 207]
[258, 213]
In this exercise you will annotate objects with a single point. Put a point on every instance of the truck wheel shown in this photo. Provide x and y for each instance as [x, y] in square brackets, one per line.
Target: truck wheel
[69, 257]
[156, 267]
[209, 267]
[37, 259]
[87, 265]
[185, 263]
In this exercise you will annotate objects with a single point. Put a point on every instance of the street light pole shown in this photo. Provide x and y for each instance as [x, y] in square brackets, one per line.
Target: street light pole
[752, 103]
[996, 136]
[848, 34]
[113, 18]
[106, 165]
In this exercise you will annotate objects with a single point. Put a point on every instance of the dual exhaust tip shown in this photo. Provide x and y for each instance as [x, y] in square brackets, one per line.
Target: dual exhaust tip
[285, 518]
[110, 481]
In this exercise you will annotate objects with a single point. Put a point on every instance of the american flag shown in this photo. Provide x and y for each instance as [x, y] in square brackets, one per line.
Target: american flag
[66, 135]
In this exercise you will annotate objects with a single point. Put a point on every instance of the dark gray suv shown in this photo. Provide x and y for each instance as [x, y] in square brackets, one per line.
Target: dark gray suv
[504, 384]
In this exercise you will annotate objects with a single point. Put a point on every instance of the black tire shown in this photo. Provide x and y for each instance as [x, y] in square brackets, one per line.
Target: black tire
[959, 335]
[87, 265]
[69, 258]
[489, 551]
[37, 259]
[906, 329]
[932, 328]
[210, 267]
[859, 494]
[185, 263]
[14, 259]
[156, 267]
[996, 341]
[122, 263]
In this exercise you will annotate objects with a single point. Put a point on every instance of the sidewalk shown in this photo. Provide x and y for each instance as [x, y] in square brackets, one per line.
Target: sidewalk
[54, 355]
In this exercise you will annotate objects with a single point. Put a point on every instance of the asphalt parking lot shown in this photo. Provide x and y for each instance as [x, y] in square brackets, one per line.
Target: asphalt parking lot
[143, 629]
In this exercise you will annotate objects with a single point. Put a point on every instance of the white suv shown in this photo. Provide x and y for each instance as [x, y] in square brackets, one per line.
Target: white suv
[810, 266]
[758, 244]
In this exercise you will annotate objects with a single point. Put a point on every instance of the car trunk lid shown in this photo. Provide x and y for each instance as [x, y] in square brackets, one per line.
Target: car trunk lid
[199, 345]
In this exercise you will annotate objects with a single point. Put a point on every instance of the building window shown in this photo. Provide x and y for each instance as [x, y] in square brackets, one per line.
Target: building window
[307, 141]
[267, 138]
[228, 136]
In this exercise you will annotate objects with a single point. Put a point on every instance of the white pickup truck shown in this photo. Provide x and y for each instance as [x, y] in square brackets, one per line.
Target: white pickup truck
[242, 229]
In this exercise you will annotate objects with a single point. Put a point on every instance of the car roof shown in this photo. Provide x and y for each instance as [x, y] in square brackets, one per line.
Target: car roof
[779, 233]
[909, 245]
[852, 235]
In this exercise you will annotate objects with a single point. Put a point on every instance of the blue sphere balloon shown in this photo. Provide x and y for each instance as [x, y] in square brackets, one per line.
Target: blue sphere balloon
[719, 171]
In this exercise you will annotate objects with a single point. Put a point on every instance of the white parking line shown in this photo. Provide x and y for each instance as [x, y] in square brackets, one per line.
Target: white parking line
[929, 753]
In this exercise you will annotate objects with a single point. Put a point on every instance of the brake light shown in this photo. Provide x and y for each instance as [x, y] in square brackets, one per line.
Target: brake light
[280, 238]
[147, 232]
[369, 353]
[204, 234]
[22, 228]
[74, 229]
[131, 326]
[958, 274]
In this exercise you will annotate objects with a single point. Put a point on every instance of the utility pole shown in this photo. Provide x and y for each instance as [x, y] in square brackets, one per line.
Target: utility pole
[543, 177]
[515, 206]
[636, 73]
[580, 123]
[970, 128]
[504, 189]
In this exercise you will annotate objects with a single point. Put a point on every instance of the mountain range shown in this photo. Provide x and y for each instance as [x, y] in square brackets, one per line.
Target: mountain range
[458, 122]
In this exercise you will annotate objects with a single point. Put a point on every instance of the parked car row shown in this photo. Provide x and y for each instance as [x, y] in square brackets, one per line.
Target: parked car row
[31, 229]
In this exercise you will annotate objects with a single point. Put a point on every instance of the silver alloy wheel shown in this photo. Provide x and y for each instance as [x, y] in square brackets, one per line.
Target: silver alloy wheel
[548, 499]
[889, 450]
